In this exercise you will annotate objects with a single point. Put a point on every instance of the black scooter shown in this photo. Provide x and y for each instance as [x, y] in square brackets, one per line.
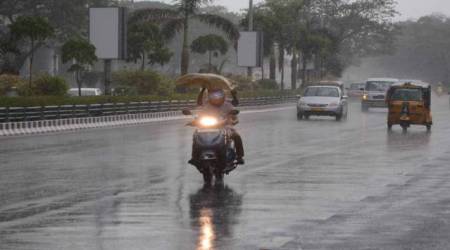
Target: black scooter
[216, 153]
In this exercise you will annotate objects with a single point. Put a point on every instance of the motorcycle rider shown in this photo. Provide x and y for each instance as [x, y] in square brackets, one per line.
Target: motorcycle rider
[217, 104]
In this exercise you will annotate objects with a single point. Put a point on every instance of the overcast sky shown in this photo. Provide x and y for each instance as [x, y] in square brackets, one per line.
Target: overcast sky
[407, 8]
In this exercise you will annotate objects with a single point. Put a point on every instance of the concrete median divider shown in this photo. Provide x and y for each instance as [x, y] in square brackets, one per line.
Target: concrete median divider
[73, 124]
[20, 128]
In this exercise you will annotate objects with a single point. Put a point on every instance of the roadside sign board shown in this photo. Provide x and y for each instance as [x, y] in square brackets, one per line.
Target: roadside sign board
[108, 32]
[250, 49]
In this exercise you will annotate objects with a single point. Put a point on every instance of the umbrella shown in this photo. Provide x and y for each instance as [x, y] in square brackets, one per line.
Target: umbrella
[209, 81]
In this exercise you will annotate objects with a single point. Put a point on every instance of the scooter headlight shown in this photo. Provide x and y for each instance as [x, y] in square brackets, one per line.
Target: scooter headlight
[208, 121]
[365, 97]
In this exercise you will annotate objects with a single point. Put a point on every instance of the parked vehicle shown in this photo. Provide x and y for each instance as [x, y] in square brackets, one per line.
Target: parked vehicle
[409, 104]
[322, 100]
[375, 90]
[356, 90]
[85, 92]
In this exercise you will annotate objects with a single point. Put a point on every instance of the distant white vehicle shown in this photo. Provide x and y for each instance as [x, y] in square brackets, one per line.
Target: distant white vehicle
[322, 100]
[375, 92]
[85, 92]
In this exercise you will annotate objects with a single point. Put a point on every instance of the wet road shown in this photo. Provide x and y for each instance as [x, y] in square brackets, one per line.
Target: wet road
[315, 184]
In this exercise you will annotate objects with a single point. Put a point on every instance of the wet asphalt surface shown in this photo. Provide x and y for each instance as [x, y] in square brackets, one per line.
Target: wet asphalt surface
[317, 184]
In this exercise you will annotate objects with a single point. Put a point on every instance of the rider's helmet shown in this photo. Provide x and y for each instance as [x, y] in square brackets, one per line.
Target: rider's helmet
[216, 97]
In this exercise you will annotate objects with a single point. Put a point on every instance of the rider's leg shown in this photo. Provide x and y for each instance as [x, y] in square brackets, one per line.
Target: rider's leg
[239, 146]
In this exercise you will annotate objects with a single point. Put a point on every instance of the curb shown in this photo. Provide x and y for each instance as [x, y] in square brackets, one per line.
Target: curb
[73, 124]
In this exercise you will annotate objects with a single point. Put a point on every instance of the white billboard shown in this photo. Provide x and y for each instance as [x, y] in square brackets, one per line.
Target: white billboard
[107, 32]
[250, 49]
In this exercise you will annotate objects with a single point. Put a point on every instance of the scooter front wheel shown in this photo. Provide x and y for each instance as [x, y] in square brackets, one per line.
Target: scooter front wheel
[207, 173]
[207, 178]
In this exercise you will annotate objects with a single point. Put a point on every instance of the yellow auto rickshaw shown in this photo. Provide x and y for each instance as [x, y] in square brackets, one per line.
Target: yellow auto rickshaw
[409, 104]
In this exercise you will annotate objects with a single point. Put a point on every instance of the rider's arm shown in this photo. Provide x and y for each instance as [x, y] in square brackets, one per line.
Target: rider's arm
[235, 100]
[200, 97]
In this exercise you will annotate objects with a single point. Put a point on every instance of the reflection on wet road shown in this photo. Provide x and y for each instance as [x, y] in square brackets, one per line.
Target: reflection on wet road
[316, 184]
[214, 211]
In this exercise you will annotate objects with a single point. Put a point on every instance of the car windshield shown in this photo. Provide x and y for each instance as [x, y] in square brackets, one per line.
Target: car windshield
[407, 95]
[378, 86]
[322, 91]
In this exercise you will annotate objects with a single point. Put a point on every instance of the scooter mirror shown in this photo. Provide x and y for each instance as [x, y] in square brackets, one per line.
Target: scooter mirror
[186, 112]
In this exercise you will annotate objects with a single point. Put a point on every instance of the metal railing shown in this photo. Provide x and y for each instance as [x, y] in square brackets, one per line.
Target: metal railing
[21, 114]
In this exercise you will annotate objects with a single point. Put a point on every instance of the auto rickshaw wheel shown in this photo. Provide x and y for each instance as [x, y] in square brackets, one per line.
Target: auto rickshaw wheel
[404, 128]
[428, 127]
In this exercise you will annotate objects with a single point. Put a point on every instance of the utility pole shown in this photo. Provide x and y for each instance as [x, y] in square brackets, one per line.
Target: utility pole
[250, 29]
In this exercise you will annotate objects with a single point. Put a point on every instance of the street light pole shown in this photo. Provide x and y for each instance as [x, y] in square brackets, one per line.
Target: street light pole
[250, 28]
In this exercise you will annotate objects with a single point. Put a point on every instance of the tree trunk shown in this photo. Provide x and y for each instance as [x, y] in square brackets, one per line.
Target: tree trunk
[294, 68]
[304, 70]
[263, 71]
[31, 64]
[185, 52]
[281, 65]
[77, 78]
[273, 66]
[143, 62]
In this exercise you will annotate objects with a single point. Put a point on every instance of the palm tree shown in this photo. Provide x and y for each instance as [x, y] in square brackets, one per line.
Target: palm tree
[178, 19]
[146, 43]
[82, 53]
[211, 44]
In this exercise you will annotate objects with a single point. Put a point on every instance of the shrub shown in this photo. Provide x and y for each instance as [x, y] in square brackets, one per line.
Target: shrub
[46, 85]
[244, 83]
[145, 82]
[268, 84]
[10, 83]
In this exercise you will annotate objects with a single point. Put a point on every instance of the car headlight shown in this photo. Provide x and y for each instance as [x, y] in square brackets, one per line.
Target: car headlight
[208, 121]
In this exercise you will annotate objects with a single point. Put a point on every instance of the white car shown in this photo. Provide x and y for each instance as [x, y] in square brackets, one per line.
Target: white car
[85, 92]
[375, 92]
[322, 101]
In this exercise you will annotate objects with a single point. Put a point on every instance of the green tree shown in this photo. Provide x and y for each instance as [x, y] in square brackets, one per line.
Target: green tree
[82, 53]
[211, 44]
[67, 16]
[35, 30]
[176, 20]
[146, 42]
[8, 51]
